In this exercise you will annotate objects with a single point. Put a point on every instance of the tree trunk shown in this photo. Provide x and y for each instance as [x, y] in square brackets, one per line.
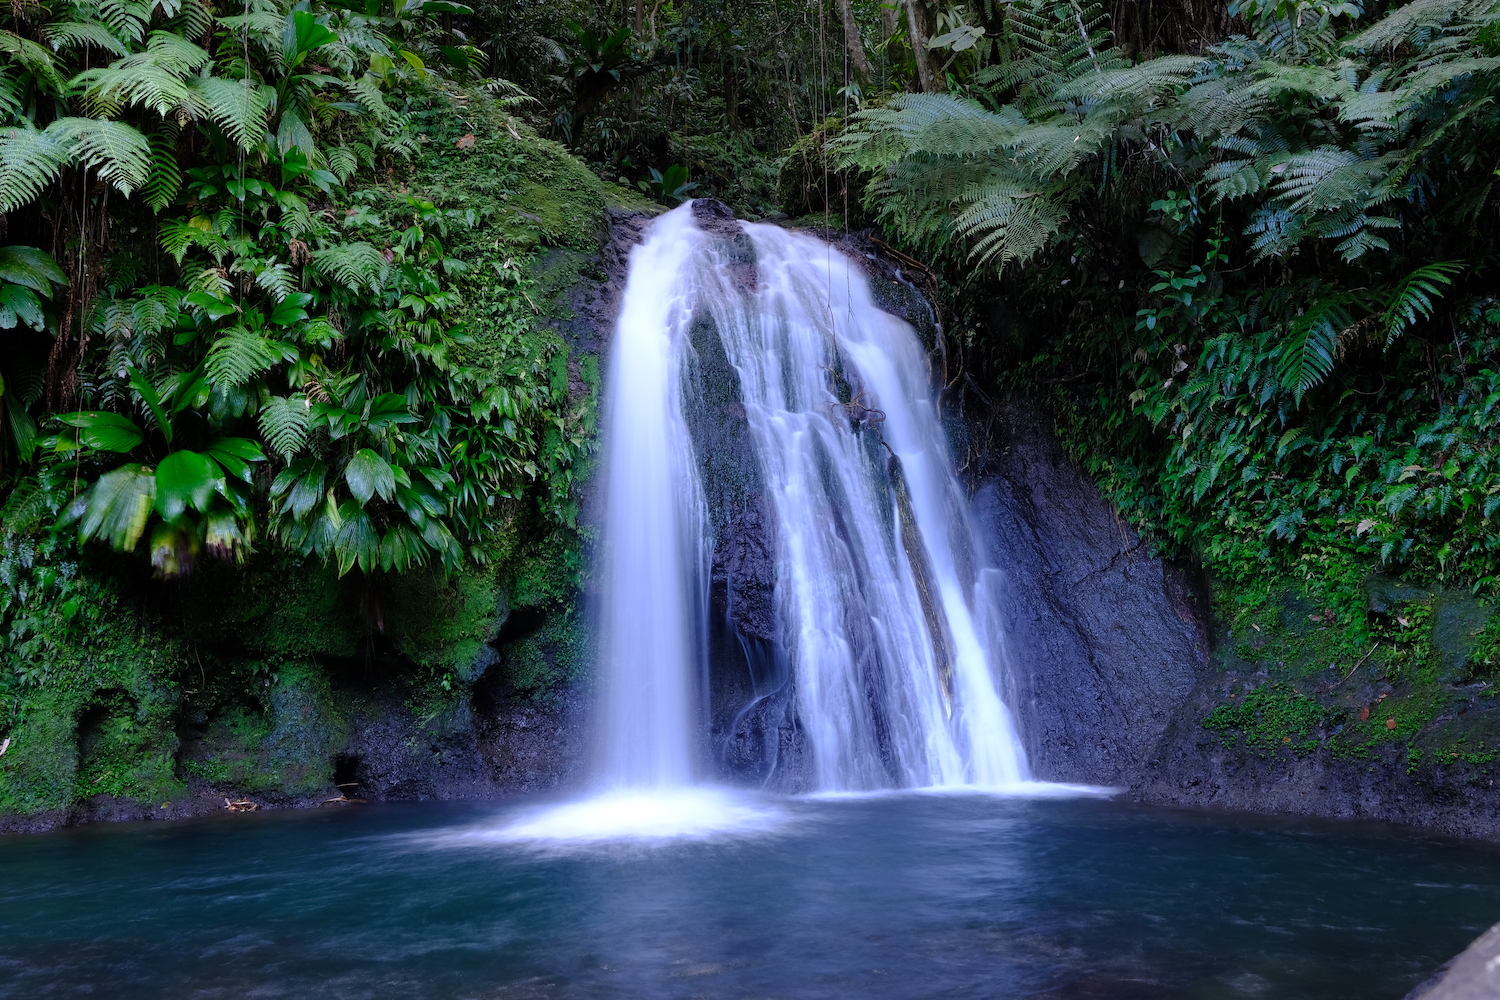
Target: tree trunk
[927, 77]
[890, 22]
[854, 44]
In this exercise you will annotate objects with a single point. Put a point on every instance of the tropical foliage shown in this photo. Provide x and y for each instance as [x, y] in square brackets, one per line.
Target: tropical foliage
[273, 368]
[1279, 343]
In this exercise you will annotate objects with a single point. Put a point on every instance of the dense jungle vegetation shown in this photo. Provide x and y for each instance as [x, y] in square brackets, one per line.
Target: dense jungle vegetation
[282, 286]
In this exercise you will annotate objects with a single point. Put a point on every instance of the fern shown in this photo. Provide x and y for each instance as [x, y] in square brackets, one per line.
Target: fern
[120, 154]
[1413, 297]
[278, 279]
[285, 423]
[165, 178]
[30, 160]
[239, 107]
[238, 356]
[354, 265]
[1308, 355]
[68, 35]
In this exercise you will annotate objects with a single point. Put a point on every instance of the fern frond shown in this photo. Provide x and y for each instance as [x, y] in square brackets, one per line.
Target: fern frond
[284, 424]
[354, 265]
[68, 35]
[119, 153]
[1413, 298]
[1413, 22]
[1312, 346]
[127, 19]
[35, 59]
[29, 161]
[238, 107]
[238, 356]
[165, 178]
[279, 280]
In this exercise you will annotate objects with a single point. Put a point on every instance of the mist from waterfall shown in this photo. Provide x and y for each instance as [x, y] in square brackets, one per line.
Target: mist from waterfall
[896, 672]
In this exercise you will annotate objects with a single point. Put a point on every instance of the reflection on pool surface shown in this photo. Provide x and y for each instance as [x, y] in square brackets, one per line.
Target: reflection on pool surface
[895, 896]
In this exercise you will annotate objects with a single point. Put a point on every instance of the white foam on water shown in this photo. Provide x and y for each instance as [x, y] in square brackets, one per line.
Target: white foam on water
[651, 815]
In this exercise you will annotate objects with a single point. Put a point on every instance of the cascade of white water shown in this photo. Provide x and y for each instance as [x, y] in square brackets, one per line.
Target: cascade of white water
[652, 524]
[896, 681]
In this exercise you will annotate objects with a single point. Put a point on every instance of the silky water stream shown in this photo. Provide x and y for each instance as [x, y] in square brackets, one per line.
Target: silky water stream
[925, 864]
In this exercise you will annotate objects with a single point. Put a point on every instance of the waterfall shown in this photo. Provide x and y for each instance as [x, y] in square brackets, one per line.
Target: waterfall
[653, 536]
[896, 672]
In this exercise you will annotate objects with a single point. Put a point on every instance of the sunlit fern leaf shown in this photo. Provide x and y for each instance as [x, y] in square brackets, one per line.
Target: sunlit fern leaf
[238, 356]
[238, 107]
[284, 424]
[116, 151]
[68, 35]
[1413, 299]
[29, 161]
[165, 178]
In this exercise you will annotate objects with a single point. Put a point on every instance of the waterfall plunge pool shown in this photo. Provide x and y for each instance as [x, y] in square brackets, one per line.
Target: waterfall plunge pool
[889, 896]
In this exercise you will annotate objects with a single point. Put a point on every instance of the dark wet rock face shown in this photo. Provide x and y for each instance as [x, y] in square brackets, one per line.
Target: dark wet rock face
[1103, 641]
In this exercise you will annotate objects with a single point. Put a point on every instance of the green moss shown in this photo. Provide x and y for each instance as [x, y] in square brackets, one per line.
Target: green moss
[443, 623]
[1272, 717]
[1411, 659]
[542, 664]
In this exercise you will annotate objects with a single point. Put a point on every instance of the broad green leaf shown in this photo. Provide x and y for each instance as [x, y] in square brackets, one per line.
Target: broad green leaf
[367, 474]
[306, 35]
[30, 267]
[184, 478]
[390, 408]
[117, 507]
[104, 430]
[356, 543]
[20, 305]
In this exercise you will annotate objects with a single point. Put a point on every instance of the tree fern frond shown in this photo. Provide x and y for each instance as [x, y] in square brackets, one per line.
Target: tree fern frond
[119, 153]
[127, 19]
[279, 280]
[29, 161]
[1308, 355]
[67, 35]
[355, 265]
[35, 59]
[1412, 21]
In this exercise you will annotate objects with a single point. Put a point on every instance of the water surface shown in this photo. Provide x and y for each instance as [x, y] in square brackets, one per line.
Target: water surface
[898, 896]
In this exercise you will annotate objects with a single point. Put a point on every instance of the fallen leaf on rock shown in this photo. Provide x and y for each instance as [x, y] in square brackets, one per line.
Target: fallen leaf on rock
[1390, 723]
[1364, 713]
